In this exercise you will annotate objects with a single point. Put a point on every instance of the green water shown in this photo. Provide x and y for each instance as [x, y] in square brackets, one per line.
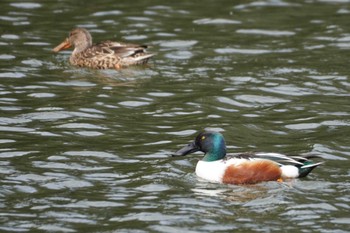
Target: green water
[89, 151]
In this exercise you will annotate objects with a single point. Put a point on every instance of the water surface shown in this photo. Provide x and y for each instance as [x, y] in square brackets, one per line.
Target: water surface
[85, 150]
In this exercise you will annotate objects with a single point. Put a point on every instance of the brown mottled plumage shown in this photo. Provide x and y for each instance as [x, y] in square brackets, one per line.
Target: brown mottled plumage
[103, 55]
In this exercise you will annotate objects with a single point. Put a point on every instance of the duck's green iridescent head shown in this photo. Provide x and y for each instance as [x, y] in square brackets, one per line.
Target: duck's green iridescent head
[211, 143]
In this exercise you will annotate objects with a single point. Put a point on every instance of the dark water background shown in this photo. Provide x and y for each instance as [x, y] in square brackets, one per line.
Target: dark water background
[88, 151]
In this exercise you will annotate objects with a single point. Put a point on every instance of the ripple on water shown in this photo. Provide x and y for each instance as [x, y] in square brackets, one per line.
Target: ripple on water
[104, 176]
[327, 77]
[42, 95]
[261, 100]
[16, 129]
[13, 154]
[250, 51]
[336, 123]
[51, 116]
[326, 152]
[68, 183]
[97, 154]
[149, 217]
[6, 57]
[89, 133]
[288, 90]
[303, 126]
[153, 188]
[308, 211]
[139, 18]
[69, 83]
[33, 62]
[266, 4]
[215, 21]
[160, 94]
[135, 37]
[179, 55]
[97, 204]
[26, 5]
[11, 108]
[80, 126]
[70, 217]
[3, 141]
[165, 34]
[10, 36]
[52, 228]
[25, 189]
[158, 143]
[134, 104]
[37, 43]
[56, 115]
[232, 102]
[265, 32]
[27, 178]
[183, 133]
[107, 13]
[287, 70]
[16, 120]
[12, 75]
[68, 166]
[178, 43]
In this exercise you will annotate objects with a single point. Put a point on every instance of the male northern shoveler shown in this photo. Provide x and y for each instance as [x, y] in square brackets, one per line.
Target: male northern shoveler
[244, 168]
[104, 55]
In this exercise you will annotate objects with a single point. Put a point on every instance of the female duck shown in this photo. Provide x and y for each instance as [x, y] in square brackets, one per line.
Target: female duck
[246, 168]
[104, 55]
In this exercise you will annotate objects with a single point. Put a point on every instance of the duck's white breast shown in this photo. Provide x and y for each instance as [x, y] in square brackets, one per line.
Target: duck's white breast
[214, 171]
[289, 171]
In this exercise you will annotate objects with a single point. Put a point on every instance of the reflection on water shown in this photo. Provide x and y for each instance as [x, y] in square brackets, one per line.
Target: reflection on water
[85, 150]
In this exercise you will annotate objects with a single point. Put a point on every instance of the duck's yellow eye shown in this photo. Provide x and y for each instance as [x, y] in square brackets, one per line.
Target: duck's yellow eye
[203, 137]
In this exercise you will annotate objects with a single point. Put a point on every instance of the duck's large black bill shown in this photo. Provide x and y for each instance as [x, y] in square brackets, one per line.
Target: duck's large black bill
[190, 148]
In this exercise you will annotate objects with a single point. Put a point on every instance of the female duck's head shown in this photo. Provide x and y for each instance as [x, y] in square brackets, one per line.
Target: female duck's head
[79, 38]
[211, 143]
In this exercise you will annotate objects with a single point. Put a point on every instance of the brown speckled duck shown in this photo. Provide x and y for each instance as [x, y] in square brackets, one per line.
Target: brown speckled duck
[103, 55]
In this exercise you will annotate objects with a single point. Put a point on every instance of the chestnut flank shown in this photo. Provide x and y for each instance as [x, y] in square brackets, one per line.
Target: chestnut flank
[252, 172]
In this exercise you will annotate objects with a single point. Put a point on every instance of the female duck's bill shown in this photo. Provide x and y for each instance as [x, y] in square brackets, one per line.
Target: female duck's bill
[243, 168]
[64, 45]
